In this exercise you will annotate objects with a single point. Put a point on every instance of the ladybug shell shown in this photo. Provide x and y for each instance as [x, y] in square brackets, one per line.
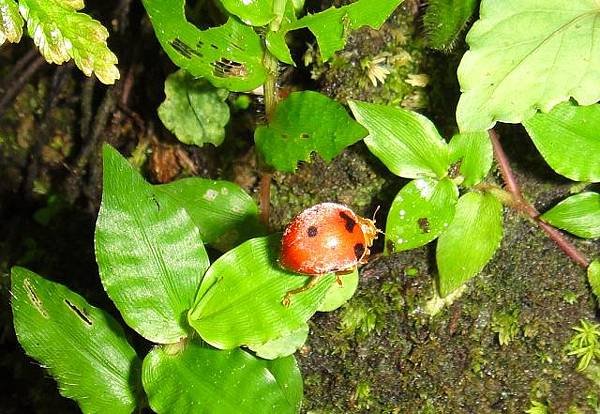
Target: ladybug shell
[326, 238]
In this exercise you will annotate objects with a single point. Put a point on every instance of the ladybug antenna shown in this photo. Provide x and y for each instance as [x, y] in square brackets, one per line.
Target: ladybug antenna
[373, 219]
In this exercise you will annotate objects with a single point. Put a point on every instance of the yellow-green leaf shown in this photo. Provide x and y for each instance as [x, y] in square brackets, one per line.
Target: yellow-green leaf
[11, 22]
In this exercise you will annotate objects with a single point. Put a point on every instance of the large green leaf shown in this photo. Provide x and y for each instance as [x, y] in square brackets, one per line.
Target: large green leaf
[405, 141]
[229, 56]
[568, 139]
[306, 122]
[284, 345]
[199, 379]
[61, 33]
[420, 212]
[593, 274]
[471, 156]
[223, 212]
[470, 241]
[11, 22]
[578, 214]
[83, 347]
[194, 110]
[444, 20]
[252, 12]
[149, 252]
[331, 26]
[239, 301]
[527, 55]
[338, 294]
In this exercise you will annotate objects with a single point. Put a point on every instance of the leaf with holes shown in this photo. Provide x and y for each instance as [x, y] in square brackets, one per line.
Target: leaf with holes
[406, 142]
[470, 241]
[284, 345]
[527, 55]
[471, 157]
[229, 56]
[194, 110]
[61, 34]
[306, 122]
[240, 299]
[444, 21]
[331, 26]
[593, 275]
[83, 347]
[149, 252]
[567, 137]
[11, 22]
[421, 211]
[254, 12]
[219, 382]
[223, 212]
[578, 214]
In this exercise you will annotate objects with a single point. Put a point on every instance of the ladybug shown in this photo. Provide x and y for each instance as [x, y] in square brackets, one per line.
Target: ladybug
[325, 238]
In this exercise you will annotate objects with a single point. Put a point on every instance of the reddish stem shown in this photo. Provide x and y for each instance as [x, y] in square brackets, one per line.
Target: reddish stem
[264, 197]
[527, 208]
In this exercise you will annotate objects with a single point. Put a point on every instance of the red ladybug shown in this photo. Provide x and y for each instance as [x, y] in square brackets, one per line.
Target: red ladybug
[326, 238]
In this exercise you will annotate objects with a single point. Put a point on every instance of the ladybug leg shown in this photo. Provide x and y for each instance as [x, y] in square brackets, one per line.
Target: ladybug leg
[310, 284]
[365, 258]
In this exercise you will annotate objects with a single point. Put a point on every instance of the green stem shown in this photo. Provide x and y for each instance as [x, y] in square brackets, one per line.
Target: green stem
[270, 85]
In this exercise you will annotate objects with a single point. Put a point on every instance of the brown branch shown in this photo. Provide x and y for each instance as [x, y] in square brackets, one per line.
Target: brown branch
[15, 86]
[527, 208]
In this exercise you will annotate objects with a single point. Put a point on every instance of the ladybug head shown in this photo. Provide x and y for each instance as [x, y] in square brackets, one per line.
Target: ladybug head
[369, 228]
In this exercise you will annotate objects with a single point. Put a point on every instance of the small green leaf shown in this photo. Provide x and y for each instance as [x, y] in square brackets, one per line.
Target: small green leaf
[445, 19]
[253, 12]
[338, 294]
[61, 34]
[593, 274]
[229, 56]
[204, 380]
[306, 122]
[470, 241]
[239, 301]
[567, 137]
[527, 55]
[194, 110]
[223, 212]
[83, 347]
[578, 214]
[471, 153]
[331, 27]
[405, 141]
[420, 212]
[149, 252]
[282, 346]
[11, 22]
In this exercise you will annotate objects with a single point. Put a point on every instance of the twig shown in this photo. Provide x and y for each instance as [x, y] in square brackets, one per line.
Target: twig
[527, 208]
[17, 84]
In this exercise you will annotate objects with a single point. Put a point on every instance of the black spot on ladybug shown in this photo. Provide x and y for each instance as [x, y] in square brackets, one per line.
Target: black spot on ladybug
[312, 231]
[350, 223]
[359, 250]
[424, 225]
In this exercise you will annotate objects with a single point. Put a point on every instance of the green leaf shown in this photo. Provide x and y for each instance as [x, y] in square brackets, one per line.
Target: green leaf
[229, 56]
[61, 34]
[331, 27]
[194, 110]
[470, 241]
[593, 274]
[11, 22]
[83, 347]
[284, 345]
[223, 212]
[254, 12]
[445, 19]
[578, 214]
[149, 252]
[420, 212]
[405, 141]
[567, 137]
[239, 301]
[306, 122]
[205, 380]
[471, 154]
[527, 55]
[338, 294]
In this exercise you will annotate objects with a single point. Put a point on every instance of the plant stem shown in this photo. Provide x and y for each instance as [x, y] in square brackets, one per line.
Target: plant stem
[527, 208]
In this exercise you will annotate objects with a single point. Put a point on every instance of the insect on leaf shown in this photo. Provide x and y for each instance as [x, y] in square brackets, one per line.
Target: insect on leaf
[11, 22]
[229, 56]
[527, 55]
[82, 346]
[578, 214]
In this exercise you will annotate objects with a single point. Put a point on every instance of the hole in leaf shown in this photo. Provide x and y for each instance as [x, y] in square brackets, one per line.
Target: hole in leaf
[424, 224]
[305, 135]
[454, 170]
[184, 49]
[33, 298]
[225, 68]
[79, 312]
[214, 46]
